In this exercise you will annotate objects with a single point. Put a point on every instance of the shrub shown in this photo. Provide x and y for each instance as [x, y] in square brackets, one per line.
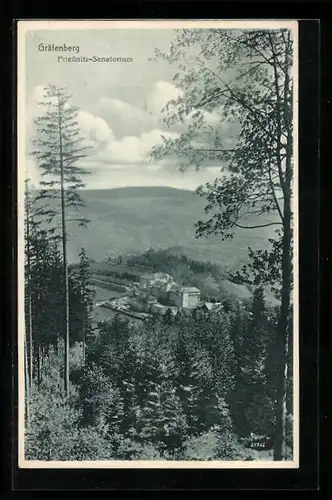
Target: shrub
[130, 449]
[54, 432]
[203, 447]
[53, 427]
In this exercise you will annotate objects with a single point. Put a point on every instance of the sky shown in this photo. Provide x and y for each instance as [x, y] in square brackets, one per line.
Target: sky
[119, 104]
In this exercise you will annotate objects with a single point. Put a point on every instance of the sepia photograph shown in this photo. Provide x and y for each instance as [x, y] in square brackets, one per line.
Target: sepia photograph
[158, 244]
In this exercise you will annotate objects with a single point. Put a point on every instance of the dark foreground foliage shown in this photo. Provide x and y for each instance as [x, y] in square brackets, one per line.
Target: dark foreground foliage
[192, 389]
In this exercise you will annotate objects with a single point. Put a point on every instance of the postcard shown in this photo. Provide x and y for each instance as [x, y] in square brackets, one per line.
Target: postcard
[158, 244]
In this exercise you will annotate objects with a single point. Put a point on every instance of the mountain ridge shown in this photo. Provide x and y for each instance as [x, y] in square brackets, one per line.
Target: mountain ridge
[134, 218]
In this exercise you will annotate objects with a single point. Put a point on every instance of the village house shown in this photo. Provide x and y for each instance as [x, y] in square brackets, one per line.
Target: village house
[163, 287]
[154, 279]
[211, 307]
[189, 297]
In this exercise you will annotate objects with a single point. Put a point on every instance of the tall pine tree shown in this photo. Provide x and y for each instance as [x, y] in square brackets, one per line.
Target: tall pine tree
[58, 150]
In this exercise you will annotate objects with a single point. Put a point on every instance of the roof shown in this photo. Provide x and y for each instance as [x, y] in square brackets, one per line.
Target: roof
[213, 306]
[156, 276]
[159, 307]
[148, 276]
[162, 276]
[189, 289]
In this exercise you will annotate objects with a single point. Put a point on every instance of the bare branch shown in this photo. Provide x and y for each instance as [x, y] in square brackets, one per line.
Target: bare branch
[259, 225]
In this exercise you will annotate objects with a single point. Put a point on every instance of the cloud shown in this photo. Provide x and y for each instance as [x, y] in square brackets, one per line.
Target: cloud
[134, 120]
[145, 115]
[131, 149]
[99, 134]
[107, 149]
[94, 128]
[126, 119]
[162, 93]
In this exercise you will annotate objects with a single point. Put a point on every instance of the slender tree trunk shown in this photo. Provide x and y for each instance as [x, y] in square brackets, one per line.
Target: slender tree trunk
[56, 346]
[84, 327]
[43, 354]
[286, 269]
[83, 290]
[283, 330]
[38, 367]
[284, 318]
[65, 265]
[27, 334]
[27, 381]
[30, 339]
[65, 270]
[29, 342]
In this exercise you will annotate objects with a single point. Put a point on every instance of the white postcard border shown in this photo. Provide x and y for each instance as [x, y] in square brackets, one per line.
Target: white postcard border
[25, 26]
